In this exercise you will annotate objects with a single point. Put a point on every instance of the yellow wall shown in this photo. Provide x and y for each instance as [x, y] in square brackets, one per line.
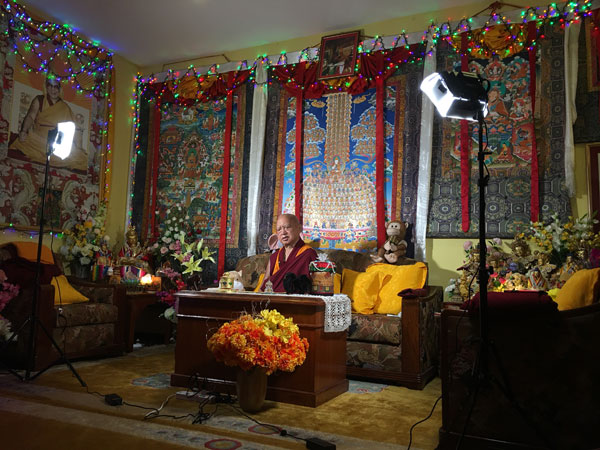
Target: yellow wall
[125, 73]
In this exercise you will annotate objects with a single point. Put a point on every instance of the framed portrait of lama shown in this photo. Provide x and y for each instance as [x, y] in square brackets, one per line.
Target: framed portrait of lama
[337, 55]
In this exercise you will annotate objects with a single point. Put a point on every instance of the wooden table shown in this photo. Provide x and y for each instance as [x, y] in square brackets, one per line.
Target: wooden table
[136, 303]
[200, 313]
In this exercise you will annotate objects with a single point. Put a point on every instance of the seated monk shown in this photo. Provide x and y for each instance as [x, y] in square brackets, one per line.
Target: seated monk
[294, 257]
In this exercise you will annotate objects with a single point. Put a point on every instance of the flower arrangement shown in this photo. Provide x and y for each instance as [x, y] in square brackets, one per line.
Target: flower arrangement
[170, 250]
[8, 291]
[541, 258]
[85, 238]
[561, 240]
[268, 340]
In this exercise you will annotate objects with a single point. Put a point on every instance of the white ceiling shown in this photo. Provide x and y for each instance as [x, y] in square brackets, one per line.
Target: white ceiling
[148, 32]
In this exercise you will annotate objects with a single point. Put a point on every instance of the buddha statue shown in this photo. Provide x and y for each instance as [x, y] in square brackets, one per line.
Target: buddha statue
[131, 256]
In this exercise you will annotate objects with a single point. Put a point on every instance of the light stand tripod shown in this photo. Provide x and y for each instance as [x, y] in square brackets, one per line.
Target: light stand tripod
[481, 372]
[33, 319]
[462, 95]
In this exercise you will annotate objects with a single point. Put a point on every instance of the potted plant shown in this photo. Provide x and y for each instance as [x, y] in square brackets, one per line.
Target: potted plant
[258, 346]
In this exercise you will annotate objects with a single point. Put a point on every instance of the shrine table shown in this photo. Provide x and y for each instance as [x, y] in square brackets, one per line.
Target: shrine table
[200, 313]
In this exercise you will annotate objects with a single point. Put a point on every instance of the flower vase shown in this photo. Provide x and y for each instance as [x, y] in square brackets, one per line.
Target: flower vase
[251, 389]
[81, 271]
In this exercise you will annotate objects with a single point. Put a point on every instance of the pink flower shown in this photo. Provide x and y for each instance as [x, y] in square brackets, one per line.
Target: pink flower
[163, 250]
[467, 245]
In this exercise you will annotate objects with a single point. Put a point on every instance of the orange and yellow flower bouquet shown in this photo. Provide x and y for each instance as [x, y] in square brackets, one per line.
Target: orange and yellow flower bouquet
[268, 340]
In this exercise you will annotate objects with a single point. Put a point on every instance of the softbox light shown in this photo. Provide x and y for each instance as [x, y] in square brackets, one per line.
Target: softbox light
[61, 144]
[457, 95]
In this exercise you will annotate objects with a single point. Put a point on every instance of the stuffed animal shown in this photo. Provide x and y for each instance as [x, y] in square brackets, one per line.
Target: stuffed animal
[395, 246]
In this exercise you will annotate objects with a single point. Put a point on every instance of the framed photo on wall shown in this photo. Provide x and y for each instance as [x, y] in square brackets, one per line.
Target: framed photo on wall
[593, 164]
[337, 55]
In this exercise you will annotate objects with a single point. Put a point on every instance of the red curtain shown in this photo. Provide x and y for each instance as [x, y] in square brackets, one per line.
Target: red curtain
[535, 184]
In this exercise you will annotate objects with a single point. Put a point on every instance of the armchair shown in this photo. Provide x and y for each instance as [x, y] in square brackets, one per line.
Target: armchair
[86, 329]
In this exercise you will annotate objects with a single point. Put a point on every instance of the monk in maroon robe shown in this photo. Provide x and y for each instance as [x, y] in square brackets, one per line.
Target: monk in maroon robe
[294, 257]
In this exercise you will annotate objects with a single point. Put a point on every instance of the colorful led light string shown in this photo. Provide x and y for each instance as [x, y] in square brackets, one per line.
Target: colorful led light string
[570, 12]
[44, 42]
[39, 44]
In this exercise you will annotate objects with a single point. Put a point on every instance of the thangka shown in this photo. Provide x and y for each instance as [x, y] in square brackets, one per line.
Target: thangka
[191, 166]
[339, 204]
[510, 129]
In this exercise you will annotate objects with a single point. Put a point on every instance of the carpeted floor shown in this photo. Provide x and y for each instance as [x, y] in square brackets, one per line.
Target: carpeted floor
[55, 412]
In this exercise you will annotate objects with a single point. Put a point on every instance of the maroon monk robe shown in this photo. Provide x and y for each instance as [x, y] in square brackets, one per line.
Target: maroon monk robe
[297, 264]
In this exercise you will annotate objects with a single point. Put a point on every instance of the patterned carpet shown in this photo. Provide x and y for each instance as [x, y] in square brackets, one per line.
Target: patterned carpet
[369, 415]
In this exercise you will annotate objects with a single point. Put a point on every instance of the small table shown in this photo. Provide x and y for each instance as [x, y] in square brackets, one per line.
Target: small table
[136, 303]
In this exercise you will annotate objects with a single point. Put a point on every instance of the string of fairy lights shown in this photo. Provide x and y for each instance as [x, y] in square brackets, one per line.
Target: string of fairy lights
[58, 52]
[198, 80]
[477, 47]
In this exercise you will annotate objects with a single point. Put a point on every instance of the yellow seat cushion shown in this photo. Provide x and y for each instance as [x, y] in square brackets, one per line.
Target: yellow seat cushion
[64, 293]
[581, 289]
[411, 276]
[363, 289]
[28, 250]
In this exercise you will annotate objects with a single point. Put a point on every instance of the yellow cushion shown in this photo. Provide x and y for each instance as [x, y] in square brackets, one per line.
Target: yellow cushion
[28, 250]
[261, 277]
[411, 276]
[581, 289]
[363, 289]
[64, 293]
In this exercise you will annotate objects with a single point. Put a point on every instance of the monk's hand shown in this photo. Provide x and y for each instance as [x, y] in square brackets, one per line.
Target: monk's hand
[22, 136]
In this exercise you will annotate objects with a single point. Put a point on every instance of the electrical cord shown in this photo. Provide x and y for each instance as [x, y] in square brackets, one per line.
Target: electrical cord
[281, 431]
[410, 432]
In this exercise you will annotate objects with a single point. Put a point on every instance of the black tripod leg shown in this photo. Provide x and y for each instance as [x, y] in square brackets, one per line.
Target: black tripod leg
[62, 357]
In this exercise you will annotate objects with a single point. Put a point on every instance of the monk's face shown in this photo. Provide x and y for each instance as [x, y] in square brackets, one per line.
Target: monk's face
[53, 90]
[288, 230]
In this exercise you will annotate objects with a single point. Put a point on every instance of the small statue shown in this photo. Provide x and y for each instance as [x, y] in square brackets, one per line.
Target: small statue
[537, 280]
[131, 256]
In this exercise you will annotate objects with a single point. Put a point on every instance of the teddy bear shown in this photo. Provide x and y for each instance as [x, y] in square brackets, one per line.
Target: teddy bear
[395, 246]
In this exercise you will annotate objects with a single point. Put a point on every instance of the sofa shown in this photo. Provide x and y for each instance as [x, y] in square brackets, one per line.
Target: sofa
[400, 349]
[85, 319]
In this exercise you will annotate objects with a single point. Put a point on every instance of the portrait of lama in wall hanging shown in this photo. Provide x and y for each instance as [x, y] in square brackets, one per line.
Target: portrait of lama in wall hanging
[338, 55]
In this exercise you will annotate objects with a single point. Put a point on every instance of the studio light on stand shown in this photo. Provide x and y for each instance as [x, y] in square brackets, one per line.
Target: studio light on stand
[59, 144]
[464, 95]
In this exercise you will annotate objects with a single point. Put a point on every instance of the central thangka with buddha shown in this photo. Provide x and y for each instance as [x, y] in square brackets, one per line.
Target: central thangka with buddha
[339, 185]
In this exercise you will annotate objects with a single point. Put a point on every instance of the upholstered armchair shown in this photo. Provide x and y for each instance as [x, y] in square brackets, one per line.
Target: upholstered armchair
[85, 319]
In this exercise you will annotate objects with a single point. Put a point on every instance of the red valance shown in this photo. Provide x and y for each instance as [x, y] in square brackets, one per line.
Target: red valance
[192, 89]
